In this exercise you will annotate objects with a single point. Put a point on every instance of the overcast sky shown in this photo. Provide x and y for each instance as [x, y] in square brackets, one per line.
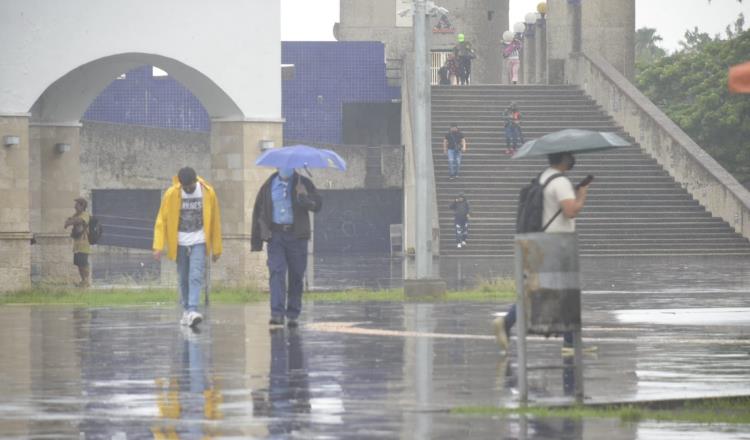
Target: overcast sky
[312, 20]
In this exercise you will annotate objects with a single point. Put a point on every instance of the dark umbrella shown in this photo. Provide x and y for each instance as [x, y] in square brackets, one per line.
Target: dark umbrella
[301, 156]
[570, 140]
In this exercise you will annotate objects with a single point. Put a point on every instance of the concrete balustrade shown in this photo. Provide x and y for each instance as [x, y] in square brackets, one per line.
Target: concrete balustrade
[707, 181]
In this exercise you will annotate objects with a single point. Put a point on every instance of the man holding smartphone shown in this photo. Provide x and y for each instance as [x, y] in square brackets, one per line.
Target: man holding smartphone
[562, 204]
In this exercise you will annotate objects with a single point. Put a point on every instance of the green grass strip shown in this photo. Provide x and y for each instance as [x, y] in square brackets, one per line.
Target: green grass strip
[132, 297]
[730, 410]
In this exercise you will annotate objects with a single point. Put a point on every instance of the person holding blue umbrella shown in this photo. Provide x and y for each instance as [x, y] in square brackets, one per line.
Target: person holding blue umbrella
[281, 219]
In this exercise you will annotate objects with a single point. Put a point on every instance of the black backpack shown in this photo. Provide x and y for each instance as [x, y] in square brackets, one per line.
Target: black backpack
[531, 206]
[95, 230]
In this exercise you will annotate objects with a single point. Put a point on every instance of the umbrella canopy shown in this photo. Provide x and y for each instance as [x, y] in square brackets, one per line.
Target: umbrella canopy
[570, 140]
[739, 78]
[301, 156]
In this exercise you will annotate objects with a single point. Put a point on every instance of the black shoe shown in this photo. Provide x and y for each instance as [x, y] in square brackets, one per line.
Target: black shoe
[276, 321]
[292, 323]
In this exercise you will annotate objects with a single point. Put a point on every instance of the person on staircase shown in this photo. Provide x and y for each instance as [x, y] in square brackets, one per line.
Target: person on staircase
[562, 204]
[464, 53]
[454, 145]
[460, 208]
[449, 72]
[512, 55]
[513, 132]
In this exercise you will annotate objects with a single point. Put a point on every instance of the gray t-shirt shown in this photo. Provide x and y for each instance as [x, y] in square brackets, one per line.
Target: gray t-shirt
[190, 231]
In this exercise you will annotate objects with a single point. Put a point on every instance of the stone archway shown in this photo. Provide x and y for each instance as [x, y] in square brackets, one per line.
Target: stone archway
[55, 177]
[49, 81]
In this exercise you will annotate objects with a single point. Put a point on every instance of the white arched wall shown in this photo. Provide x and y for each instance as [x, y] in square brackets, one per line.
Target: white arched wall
[56, 57]
[234, 43]
[66, 100]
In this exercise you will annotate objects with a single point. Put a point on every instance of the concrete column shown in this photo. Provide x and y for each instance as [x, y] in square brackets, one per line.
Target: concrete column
[608, 28]
[234, 149]
[540, 52]
[529, 58]
[57, 181]
[15, 236]
[559, 38]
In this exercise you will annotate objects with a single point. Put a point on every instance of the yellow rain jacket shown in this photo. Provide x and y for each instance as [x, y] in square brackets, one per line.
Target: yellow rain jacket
[168, 219]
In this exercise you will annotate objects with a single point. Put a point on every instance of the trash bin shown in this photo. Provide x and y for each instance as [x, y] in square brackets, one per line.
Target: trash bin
[550, 280]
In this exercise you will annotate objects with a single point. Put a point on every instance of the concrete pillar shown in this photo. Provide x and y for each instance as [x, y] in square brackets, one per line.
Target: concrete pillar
[529, 58]
[540, 52]
[234, 149]
[15, 236]
[560, 36]
[52, 194]
[608, 28]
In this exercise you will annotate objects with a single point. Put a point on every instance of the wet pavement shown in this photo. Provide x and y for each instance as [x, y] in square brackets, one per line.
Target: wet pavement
[360, 370]
[612, 274]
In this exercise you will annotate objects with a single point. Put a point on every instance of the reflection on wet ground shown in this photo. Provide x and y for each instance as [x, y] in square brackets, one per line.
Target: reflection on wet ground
[610, 274]
[133, 373]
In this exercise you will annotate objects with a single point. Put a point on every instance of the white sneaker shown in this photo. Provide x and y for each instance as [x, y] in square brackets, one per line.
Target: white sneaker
[194, 318]
[458, 245]
[463, 243]
[184, 320]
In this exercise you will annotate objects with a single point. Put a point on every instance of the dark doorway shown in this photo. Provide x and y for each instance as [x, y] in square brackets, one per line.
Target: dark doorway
[127, 216]
[372, 124]
[357, 221]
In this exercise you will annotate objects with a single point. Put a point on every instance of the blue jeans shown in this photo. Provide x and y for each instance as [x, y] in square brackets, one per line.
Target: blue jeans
[462, 231]
[513, 135]
[510, 321]
[287, 259]
[191, 270]
[454, 161]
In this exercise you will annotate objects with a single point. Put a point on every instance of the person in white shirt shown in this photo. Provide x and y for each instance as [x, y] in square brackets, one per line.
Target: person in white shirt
[562, 204]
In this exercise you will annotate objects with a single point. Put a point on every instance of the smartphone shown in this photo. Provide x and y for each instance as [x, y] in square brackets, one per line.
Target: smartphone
[585, 182]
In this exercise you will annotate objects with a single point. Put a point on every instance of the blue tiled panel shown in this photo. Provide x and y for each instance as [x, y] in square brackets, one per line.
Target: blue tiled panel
[141, 99]
[327, 75]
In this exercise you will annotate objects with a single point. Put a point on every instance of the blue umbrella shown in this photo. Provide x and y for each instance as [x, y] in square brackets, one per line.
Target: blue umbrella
[301, 156]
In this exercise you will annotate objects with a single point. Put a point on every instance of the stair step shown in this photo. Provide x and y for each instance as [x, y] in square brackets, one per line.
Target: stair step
[634, 206]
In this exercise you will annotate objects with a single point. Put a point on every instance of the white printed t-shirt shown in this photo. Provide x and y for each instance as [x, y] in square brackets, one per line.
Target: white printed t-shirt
[190, 231]
[558, 190]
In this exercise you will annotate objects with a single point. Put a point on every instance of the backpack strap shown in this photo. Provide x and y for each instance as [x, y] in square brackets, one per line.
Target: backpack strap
[559, 211]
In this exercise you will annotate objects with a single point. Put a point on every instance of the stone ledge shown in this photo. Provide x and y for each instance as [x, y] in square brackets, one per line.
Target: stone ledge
[16, 236]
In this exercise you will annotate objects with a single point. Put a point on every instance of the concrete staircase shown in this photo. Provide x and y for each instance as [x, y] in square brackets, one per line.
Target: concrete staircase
[634, 206]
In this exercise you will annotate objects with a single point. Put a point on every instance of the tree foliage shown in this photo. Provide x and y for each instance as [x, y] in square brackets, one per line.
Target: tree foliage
[690, 86]
[647, 48]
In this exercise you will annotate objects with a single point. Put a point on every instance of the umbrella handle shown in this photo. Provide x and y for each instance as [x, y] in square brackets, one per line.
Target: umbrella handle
[308, 171]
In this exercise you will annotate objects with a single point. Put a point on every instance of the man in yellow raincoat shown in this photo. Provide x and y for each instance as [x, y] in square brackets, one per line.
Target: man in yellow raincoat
[189, 227]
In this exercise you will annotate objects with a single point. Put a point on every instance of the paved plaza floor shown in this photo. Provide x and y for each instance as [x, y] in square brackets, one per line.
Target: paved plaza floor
[359, 370]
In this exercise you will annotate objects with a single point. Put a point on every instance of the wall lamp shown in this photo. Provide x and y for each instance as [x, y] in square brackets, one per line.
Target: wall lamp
[62, 148]
[266, 144]
[11, 141]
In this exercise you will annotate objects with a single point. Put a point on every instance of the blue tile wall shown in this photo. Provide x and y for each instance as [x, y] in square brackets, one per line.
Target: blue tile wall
[141, 99]
[328, 75]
